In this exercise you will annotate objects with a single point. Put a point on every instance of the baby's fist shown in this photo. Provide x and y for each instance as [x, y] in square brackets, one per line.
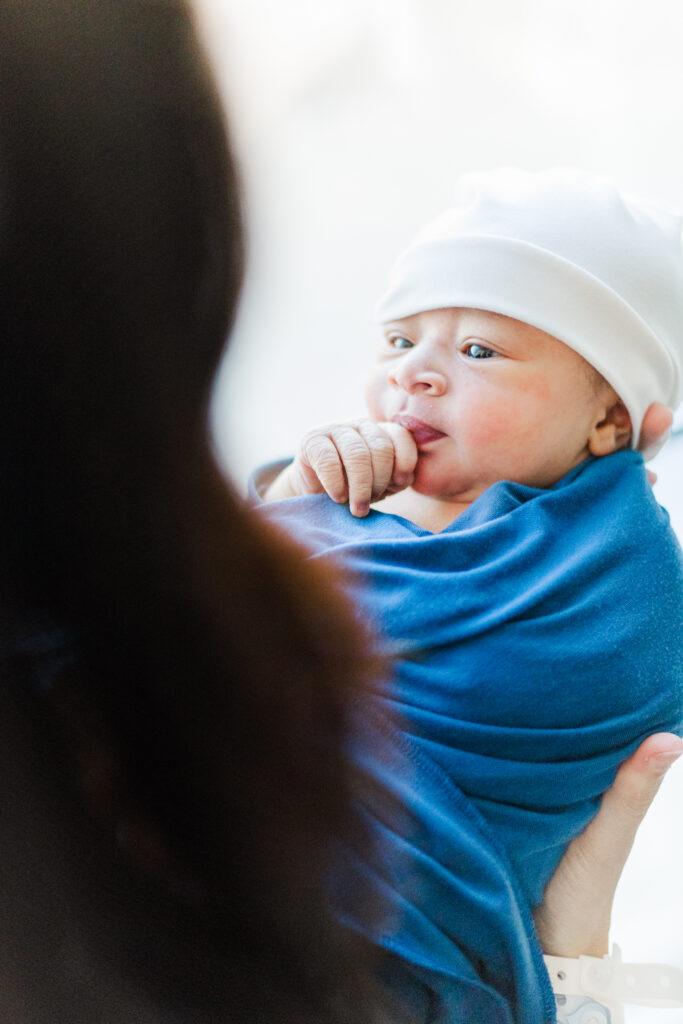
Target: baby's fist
[358, 462]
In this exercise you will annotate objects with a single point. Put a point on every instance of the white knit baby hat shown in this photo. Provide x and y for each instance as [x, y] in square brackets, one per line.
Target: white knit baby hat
[566, 252]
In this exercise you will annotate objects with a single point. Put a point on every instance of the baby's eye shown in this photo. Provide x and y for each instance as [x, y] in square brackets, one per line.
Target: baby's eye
[476, 351]
[399, 342]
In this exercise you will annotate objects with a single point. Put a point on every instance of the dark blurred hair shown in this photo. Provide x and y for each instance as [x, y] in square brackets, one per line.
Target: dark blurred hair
[204, 719]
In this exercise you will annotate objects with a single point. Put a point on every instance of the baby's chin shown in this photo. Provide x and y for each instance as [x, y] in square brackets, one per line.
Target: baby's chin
[452, 490]
[459, 489]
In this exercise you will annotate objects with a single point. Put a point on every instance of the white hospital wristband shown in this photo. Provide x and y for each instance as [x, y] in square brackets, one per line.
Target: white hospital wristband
[593, 990]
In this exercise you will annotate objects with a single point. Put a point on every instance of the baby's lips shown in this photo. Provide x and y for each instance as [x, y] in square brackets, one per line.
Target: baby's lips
[423, 433]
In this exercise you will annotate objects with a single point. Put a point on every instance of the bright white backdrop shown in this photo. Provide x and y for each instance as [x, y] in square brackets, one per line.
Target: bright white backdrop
[351, 120]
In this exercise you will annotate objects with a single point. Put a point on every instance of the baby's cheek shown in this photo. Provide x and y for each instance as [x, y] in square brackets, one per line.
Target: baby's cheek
[508, 437]
[376, 393]
[501, 424]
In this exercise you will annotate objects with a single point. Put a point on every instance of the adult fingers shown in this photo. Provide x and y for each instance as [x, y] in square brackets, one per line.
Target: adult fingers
[655, 429]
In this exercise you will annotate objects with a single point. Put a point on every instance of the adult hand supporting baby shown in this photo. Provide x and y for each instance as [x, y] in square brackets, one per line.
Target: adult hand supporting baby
[356, 461]
[574, 917]
[654, 431]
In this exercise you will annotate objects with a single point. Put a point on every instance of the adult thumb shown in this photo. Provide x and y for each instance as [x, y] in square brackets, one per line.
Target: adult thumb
[574, 917]
[637, 782]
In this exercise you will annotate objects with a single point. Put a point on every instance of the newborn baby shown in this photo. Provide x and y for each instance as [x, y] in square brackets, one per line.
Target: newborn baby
[500, 534]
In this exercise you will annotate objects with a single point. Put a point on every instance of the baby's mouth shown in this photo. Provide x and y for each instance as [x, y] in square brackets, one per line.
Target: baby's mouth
[422, 432]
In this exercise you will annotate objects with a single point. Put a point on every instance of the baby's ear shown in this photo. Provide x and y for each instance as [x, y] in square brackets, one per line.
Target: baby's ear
[611, 433]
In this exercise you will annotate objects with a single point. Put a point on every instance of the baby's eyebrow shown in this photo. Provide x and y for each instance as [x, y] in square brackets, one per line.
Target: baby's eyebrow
[499, 317]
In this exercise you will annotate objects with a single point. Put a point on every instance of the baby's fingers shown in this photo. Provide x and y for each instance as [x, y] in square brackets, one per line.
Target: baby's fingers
[382, 454]
[339, 459]
[405, 457]
[320, 467]
[357, 461]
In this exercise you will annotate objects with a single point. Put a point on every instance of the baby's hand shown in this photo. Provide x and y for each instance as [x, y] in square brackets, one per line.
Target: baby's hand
[358, 462]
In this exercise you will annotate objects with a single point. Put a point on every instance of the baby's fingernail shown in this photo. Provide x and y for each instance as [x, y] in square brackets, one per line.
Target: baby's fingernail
[361, 508]
[663, 761]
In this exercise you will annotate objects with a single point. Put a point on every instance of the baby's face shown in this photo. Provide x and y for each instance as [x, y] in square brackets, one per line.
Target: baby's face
[486, 398]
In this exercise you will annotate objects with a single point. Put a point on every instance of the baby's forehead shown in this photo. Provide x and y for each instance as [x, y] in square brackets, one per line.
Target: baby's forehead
[463, 315]
[464, 310]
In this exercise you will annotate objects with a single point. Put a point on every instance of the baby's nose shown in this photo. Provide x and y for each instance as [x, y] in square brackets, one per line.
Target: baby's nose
[415, 377]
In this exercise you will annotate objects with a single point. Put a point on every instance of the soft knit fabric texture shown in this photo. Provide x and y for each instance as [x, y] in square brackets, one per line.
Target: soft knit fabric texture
[537, 640]
[564, 251]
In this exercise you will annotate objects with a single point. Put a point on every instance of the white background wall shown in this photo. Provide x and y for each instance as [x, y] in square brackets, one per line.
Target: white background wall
[352, 119]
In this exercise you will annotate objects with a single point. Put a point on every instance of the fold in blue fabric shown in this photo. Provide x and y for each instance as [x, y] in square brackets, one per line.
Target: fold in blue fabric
[535, 642]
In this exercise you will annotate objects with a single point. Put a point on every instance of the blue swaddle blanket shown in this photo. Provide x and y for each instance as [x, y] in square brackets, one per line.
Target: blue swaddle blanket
[536, 641]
